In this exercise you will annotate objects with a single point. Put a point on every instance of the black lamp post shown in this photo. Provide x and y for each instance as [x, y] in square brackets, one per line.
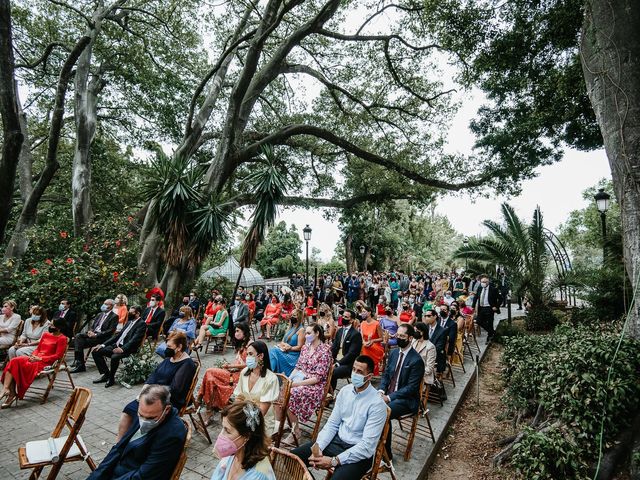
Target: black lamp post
[306, 232]
[465, 242]
[362, 249]
[602, 202]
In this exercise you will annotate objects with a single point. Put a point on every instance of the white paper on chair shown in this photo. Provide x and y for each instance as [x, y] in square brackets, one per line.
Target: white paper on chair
[47, 450]
[296, 376]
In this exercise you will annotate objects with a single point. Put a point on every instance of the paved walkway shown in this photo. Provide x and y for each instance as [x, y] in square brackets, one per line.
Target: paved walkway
[32, 421]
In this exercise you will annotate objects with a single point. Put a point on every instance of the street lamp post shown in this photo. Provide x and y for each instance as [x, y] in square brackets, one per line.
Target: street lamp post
[465, 242]
[306, 232]
[364, 265]
[602, 202]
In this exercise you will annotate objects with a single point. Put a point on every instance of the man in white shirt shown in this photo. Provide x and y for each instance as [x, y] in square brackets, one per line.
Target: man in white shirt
[349, 438]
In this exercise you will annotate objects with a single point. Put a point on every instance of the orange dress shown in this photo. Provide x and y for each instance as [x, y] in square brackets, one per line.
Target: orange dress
[375, 351]
[24, 372]
[218, 384]
[406, 316]
[271, 314]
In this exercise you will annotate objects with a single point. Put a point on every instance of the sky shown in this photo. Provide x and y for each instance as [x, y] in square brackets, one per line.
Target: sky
[557, 190]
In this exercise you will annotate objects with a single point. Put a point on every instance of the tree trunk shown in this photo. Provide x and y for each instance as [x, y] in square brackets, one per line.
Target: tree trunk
[25, 164]
[610, 47]
[348, 253]
[13, 137]
[86, 117]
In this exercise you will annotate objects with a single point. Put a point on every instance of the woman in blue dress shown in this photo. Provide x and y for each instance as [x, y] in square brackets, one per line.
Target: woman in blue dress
[242, 445]
[186, 323]
[284, 355]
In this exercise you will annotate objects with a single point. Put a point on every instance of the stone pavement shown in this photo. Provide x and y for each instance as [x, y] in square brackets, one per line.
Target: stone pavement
[32, 421]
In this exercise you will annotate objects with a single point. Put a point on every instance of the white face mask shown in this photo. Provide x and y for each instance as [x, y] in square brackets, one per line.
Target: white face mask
[152, 303]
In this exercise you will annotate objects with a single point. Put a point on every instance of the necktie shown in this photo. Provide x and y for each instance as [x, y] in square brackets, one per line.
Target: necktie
[485, 291]
[396, 374]
[100, 322]
[150, 316]
[341, 351]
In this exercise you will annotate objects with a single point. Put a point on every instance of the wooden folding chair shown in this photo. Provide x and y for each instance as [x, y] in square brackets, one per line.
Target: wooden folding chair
[217, 339]
[424, 394]
[282, 402]
[380, 454]
[72, 417]
[177, 472]
[52, 375]
[471, 331]
[437, 397]
[288, 466]
[192, 410]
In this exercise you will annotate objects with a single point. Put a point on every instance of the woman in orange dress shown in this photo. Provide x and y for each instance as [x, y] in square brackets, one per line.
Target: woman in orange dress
[218, 383]
[371, 338]
[20, 372]
[271, 316]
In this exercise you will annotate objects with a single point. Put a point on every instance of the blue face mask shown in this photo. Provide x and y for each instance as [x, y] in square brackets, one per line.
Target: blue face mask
[357, 379]
[61, 307]
[252, 362]
[104, 308]
[36, 318]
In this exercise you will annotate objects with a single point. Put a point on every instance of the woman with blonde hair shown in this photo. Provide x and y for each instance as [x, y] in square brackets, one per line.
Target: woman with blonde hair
[185, 323]
[121, 309]
[327, 322]
[9, 323]
[32, 332]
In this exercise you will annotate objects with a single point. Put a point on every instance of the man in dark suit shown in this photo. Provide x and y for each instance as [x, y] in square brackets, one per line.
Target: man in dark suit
[487, 303]
[450, 328]
[102, 328]
[239, 311]
[345, 349]
[69, 316]
[153, 316]
[400, 385]
[152, 446]
[119, 346]
[437, 336]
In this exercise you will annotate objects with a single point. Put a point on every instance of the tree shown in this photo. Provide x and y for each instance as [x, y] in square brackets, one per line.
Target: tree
[279, 255]
[557, 73]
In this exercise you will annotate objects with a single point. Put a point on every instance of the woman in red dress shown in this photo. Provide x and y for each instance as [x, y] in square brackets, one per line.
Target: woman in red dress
[20, 372]
[311, 305]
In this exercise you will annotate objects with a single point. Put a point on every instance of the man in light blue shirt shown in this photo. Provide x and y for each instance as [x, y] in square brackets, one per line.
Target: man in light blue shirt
[349, 439]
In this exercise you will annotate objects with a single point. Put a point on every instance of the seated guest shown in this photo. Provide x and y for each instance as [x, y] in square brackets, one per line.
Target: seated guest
[271, 316]
[184, 323]
[284, 355]
[381, 306]
[69, 316]
[20, 372]
[258, 383]
[153, 315]
[121, 345]
[326, 321]
[426, 350]
[239, 310]
[309, 379]
[450, 328]
[457, 317]
[151, 448]
[400, 385]
[9, 323]
[407, 315]
[176, 372]
[243, 445]
[121, 308]
[32, 332]
[349, 438]
[389, 323]
[346, 347]
[215, 326]
[195, 304]
[437, 336]
[103, 327]
[218, 383]
[371, 337]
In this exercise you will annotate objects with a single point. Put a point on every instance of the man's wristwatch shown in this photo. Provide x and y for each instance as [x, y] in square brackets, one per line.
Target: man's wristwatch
[335, 462]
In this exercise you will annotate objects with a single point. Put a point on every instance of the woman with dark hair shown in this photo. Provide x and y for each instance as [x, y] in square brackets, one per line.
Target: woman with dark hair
[20, 372]
[311, 306]
[427, 351]
[284, 355]
[258, 383]
[243, 444]
[309, 379]
[218, 383]
[217, 326]
[176, 371]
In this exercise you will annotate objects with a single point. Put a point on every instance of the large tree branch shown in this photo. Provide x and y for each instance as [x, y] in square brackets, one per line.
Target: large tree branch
[44, 57]
[282, 136]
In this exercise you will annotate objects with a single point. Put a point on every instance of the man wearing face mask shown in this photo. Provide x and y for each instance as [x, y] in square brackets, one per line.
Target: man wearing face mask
[151, 448]
[400, 385]
[69, 316]
[122, 344]
[451, 330]
[346, 347]
[487, 303]
[349, 438]
[102, 328]
[153, 316]
[239, 310]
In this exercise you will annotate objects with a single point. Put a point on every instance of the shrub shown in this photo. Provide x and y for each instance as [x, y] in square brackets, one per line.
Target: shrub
[540, 318]
[135, 369]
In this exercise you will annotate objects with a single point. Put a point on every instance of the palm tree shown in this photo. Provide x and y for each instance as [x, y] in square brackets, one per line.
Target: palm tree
[519, 248]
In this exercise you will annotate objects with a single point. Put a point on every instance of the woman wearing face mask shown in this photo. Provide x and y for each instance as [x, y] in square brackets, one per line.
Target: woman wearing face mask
[390, 323]
[217, 326]
[258, 383]
[407, 315]
[243, 445]
[371, 338]
[457, 317]
[32, 332]
[218, 383]
[9, 323]
[381, 306]
[284, 356]
[427, 351]
[309, 379]
[176, 372]
[326, 321]
[310, 306]
[271, 316]
[20, 372]
[184, 323]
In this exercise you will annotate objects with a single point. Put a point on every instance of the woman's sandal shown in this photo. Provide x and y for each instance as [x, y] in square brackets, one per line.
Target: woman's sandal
[9, 402]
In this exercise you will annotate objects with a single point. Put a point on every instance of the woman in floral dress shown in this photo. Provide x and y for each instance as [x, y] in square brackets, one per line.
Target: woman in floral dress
[309, 379]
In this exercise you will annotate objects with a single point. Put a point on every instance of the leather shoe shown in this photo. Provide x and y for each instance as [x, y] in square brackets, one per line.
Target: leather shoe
[78, 369]
[110, 383]
[102, 379]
